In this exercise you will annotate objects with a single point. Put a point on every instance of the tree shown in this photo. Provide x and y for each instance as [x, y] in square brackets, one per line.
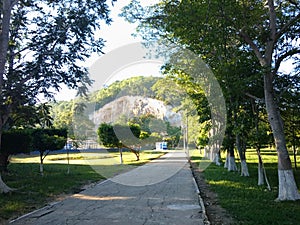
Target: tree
[268, 30]
[47, 140]
[120, 136]
[271, 47]
[41, 46]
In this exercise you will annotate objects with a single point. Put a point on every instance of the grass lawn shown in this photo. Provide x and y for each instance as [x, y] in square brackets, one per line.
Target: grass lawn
[34, 191]
[247, 202]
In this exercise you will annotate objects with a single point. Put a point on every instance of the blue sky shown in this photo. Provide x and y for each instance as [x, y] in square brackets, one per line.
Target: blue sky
[117, 34]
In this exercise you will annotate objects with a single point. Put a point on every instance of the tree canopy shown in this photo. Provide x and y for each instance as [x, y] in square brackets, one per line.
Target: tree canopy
[43, 45]
[245, 44]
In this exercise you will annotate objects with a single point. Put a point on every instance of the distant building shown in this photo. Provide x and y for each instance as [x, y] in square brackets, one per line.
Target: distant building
[161, 145]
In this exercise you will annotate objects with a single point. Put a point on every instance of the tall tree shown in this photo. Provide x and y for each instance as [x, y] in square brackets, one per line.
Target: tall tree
[271, 46]
[41, 46]
[120, 136]
[47, 140]
[269, 30]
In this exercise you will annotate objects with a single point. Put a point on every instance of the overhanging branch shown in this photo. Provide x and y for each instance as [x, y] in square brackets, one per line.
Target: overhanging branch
[286, 27]
[284, 56]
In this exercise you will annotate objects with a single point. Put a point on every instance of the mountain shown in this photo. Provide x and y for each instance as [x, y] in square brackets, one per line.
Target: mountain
[121, 100]
[135, 106]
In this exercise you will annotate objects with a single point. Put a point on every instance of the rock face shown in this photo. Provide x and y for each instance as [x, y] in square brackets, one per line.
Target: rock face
[131, 106]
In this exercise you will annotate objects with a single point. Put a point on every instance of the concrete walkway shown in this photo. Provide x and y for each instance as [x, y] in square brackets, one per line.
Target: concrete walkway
[160, 192]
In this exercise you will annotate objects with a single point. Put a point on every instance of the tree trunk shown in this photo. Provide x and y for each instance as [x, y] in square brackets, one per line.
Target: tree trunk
[226, 164]
[262, 174]
[3, 187]
[3, 162]
[121, 155]
[232, 165]
[242, 153]
[260, 168]
[287, 186]
[41, 164]
[218, 159]
[211, 154]
[260, 171]
[244, 169]
[206, 153]
[4, 40]
[136, 153]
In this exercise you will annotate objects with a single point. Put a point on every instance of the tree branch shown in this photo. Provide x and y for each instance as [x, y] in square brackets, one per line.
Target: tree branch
[272, 37]
[254, 97]
[284, 56]
[254, 47]
[294, 2]
[272, 19]
[286, 27]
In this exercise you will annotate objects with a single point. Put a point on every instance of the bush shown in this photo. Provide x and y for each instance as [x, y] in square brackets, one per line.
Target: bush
[14, 142]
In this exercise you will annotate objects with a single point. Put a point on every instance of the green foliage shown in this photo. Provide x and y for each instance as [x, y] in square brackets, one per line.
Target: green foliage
[135, 86]
[107, 136]
[49, 139]
[43, 45]
[226, 34]
[154, 130]
[65, 114]
[118, 136]
[16, 141]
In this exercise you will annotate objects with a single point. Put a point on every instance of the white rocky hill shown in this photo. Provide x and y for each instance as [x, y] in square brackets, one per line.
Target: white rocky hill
[131, 106]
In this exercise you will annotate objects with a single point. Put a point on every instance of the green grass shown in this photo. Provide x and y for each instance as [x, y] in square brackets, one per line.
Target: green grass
[247, 202]
[34, 191]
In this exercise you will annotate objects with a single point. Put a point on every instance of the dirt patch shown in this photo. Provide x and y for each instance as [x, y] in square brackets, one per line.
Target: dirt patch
[215, 213]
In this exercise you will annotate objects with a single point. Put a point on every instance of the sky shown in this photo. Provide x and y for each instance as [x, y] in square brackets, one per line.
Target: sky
[117, 34]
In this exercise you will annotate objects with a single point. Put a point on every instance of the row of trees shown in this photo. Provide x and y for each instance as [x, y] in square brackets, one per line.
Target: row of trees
[245, 43]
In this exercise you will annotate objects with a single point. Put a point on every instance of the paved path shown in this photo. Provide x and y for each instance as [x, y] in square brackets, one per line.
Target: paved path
[160, 192]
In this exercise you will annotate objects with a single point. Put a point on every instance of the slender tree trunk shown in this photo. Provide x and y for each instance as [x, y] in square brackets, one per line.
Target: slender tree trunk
[206, 153]
[260, 171]
[287, 186]
[41, 164]
[121, 155]
[232, 165]
[226, 164]
[3, 187]
[295, 155]
[211, 154]
[260, 168]
[218, 158]
[4, 40]
[242, 153]
[4, 161]
[262, 175]
[136, 153]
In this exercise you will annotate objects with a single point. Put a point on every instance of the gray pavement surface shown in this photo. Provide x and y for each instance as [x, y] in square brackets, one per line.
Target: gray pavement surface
[160, 192]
